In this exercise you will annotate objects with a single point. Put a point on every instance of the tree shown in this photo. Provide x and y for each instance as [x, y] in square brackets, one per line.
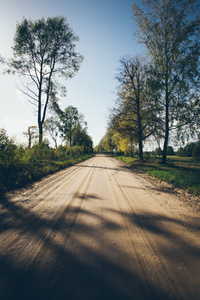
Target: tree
[31, 133]
[69, 118]
[107, 143]
[51, 125]
[72, 126]
[81, 138]
[136, 113]
[170, 31]
[43, 51]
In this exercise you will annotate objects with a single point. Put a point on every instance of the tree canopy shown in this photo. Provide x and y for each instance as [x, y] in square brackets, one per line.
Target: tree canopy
[44, 50]
[135, 115]
[170, 31]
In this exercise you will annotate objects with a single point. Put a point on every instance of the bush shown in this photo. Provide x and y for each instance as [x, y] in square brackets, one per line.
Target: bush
[42, 151]
[19, 166]
[62, 153]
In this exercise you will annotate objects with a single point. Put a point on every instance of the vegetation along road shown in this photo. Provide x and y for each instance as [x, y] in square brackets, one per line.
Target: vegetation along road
[98, 231]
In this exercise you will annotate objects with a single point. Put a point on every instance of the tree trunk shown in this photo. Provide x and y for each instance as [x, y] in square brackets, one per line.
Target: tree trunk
[131, 148]
[164, 154]
[140, 154]
[40, 132]
[29, 137]
[70, 137]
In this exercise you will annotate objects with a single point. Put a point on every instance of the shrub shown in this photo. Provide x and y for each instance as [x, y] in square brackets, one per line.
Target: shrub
[62, 153]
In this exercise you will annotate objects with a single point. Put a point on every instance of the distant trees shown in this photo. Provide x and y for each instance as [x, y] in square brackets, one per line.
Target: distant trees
[68, 120]
[170, 31]
[69, 124]
[107, 143]
[43, 51]
[190, 150]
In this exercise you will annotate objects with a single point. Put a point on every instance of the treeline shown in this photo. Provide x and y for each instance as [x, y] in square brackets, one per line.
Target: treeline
[158, 95]
[190, 150]
[114, 143]
[22, 165]
[70, 126]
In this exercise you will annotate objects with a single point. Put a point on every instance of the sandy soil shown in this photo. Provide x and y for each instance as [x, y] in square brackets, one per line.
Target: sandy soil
[99, 231]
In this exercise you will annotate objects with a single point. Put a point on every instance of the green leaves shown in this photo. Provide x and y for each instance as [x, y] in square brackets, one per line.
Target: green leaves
[44, 50]
[170, 31]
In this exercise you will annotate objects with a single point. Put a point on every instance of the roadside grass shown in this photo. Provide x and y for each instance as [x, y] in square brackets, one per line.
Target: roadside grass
[19, 174]
[182, 172]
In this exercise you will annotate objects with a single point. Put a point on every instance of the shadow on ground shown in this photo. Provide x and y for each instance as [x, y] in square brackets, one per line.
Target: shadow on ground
[63, 267]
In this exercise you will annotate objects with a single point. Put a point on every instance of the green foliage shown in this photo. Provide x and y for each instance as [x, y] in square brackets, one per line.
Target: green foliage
[190, 150]
[135, 113]
[170, 32]
[62, 152]
[73, 128]
[19, 166]
[51, 126]
[44, 50]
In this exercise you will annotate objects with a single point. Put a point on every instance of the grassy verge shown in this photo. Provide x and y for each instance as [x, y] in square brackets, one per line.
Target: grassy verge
[181, 172]
[18, 175]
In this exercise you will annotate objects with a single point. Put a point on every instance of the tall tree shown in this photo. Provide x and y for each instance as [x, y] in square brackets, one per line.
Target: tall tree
[43, 51]
[135, 115]
[170, 31]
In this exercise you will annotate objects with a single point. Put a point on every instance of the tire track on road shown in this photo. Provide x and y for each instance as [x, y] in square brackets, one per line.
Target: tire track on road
[154, 270]
[53, 189]
[22, 259]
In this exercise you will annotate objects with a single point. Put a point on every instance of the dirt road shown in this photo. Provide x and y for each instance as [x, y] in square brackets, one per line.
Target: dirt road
[97, 231]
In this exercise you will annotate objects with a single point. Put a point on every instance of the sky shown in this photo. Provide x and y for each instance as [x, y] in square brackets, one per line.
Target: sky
[105, 29]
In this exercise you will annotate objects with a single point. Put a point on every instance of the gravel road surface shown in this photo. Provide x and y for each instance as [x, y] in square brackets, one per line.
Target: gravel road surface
[98, 231]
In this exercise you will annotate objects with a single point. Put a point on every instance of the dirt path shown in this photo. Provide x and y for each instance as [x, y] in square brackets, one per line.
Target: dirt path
[97, 231]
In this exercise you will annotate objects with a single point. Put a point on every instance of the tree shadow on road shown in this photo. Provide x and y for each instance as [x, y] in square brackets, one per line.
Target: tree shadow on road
[49, 259]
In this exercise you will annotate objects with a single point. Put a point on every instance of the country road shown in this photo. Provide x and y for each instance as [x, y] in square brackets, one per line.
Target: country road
[97, 231]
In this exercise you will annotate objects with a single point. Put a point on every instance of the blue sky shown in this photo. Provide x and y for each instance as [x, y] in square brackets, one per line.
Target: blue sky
[105, 30]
